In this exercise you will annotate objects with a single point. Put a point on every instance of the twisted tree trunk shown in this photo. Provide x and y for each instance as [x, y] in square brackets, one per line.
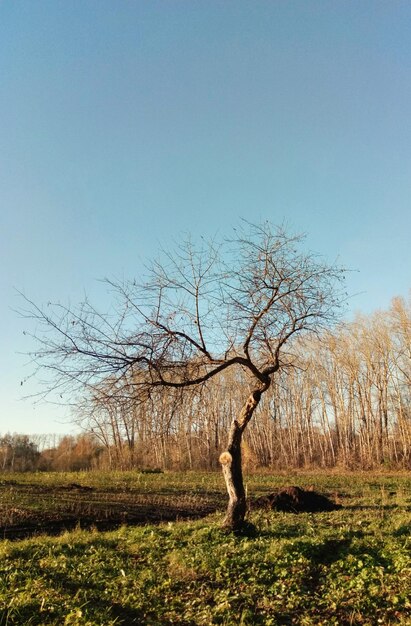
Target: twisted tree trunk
[232, 467]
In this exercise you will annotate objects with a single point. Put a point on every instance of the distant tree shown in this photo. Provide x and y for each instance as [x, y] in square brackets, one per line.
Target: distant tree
[71, 454]
[18, 453]
[202, 309]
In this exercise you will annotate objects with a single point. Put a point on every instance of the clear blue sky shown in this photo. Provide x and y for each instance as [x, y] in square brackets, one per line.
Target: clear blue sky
[123, 124]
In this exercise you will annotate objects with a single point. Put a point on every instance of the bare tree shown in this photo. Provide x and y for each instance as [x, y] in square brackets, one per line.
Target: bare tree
[201, 310]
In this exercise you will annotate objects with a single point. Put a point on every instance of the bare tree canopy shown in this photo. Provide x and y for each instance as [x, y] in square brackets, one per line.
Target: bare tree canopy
[202, 309]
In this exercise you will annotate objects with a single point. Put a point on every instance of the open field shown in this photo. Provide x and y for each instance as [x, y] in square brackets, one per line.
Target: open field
[51, 503]
[350, 566]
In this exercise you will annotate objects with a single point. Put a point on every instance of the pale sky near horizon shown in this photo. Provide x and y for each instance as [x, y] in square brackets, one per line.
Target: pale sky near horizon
[124, 124]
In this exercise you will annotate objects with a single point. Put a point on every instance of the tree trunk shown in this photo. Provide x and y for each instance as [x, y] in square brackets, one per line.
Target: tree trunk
[232, 467]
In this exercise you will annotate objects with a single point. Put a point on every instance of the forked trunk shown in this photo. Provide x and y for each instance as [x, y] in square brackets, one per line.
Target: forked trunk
[232, 467]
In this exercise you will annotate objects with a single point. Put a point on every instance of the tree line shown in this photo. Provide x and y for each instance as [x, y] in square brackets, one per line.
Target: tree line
[344, 401]
[49, 452]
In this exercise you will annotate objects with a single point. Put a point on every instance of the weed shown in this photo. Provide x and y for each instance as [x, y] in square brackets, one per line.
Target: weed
[350, 566]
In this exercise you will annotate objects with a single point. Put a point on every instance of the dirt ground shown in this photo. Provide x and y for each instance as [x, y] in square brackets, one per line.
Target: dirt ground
[30, 509]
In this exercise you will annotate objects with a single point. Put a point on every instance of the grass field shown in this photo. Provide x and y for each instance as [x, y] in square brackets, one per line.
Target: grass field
[350, 566]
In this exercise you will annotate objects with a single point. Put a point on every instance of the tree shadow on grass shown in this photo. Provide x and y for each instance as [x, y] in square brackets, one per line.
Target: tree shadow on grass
[404, 530]
[30, 615]
[324, 553]
[88, 595]
[124, 614]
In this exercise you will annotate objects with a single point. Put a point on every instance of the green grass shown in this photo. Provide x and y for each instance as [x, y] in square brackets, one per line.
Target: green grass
[351, 566]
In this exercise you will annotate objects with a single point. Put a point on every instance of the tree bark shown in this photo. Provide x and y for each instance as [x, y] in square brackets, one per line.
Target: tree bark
[232, 467]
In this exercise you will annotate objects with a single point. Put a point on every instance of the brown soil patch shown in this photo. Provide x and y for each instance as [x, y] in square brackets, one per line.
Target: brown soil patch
[296, 500]
[29, 509]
